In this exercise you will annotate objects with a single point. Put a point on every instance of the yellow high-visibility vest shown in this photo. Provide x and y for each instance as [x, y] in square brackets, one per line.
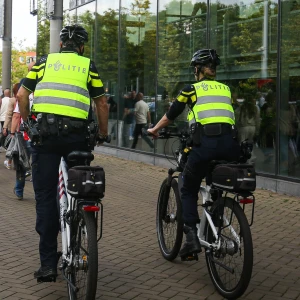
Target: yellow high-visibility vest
[63, 88]
[213, 104]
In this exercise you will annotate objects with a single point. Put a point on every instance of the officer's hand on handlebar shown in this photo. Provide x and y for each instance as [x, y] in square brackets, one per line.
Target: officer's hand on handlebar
[102, 138]
[153, 132]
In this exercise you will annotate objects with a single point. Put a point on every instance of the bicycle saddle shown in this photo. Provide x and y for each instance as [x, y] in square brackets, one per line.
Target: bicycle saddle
[80, 155]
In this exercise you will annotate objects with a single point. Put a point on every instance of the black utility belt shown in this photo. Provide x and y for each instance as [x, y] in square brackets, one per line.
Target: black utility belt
[198, 130]
[51, 124]
[216, 129]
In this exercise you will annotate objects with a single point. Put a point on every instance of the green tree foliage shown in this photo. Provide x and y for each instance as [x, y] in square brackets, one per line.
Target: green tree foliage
[88, 22]
[18, 68]
[106, 44]
[179, 37]
[43, 31]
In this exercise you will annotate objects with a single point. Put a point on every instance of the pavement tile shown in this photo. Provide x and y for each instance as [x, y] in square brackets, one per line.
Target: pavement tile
[130, 263]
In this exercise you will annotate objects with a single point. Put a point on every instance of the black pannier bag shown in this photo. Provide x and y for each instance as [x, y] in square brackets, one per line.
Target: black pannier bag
[86, 182]
[236, 178]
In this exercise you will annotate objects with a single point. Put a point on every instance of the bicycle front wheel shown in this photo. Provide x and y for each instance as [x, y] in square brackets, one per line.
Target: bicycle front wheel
[169, 223]
[230, 267]
[83, 274]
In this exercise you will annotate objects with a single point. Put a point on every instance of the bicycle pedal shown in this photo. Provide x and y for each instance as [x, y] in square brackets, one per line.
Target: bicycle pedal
[190, 257]
[46, 279]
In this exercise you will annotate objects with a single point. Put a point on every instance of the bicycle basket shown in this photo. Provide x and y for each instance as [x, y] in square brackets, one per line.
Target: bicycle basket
[86, 182]
[235, 178]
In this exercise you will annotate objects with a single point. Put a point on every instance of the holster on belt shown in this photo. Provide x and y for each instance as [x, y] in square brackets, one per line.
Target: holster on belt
[196, 133]
[77, 125]
[52, 124]
[43, 127]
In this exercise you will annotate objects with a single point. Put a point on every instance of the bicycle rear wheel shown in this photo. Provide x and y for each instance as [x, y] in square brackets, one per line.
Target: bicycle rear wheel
[169, 223]
[83, 274]
[230, 267]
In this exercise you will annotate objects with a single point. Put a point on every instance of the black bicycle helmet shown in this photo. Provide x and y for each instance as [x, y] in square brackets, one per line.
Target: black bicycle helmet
[75, 33]
[205, 56]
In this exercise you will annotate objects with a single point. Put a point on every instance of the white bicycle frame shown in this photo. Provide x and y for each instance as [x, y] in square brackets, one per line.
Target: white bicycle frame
[206, 197]
[65, 203]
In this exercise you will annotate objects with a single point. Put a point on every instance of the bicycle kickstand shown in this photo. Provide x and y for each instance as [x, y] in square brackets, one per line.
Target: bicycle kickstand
[63, 268]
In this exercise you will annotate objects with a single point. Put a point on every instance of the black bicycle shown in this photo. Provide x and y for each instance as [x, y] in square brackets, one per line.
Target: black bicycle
[224, 230]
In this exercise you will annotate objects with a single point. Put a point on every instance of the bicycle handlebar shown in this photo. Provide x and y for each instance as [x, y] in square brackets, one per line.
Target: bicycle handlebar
[166, 134]
[246, 147]
[107, 139]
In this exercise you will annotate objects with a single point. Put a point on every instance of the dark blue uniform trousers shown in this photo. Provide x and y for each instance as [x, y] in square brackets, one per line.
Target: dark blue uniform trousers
[45, 166]
[222, 147]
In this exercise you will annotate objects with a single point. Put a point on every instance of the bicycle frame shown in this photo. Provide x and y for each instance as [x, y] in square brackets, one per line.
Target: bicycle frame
[65, 203]
[205, 192]
[206, 217]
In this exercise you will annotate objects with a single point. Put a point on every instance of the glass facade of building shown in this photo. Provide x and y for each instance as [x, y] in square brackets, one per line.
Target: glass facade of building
[145, 46]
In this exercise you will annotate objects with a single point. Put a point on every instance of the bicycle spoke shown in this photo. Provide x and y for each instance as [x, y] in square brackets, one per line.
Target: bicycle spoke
[169, 221]
[236, 261]
[231, 266]
[170, 227]
[84, 272]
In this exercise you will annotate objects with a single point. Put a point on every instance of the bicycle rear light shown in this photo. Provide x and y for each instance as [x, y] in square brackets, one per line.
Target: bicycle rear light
[246, 201]
[91, 208]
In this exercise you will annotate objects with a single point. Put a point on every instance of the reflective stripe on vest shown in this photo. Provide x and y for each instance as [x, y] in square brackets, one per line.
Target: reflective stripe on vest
[213, 104]
[65, 102]
[63, 88]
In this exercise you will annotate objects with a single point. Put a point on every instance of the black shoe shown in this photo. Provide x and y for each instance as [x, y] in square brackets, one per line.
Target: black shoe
[192, 245]
[45, 274]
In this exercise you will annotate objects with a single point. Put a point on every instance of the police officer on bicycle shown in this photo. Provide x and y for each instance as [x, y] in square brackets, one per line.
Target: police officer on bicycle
[212, 125]
[63, 84]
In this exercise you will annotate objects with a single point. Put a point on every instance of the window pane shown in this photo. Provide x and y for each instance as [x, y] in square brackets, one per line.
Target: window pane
[289, 116]
[137, 68]
[182, 31]
[244, 34]
[73, 4]
[43, 31]
[66, 4]
[86, 18]
[106, 59]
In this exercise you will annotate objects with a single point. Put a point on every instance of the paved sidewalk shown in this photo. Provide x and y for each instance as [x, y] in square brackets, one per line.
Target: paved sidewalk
[130, 263]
